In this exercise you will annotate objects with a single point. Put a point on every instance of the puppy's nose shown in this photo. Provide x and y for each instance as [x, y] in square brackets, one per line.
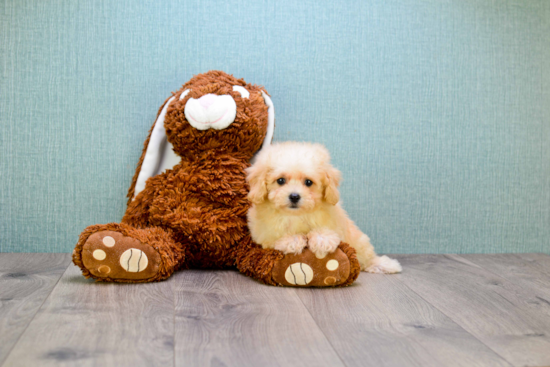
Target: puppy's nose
[294, 197]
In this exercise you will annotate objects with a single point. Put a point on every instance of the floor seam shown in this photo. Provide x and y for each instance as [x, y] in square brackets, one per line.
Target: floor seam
[455, 322]
[319, 327]
[174, 319]
[37, 311]
[524, 262]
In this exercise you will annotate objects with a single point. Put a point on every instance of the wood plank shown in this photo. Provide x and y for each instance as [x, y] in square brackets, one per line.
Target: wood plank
[541, 262]
[86, 323]
[504, 316]
[379, 321]
[226, 319]
[529, 271]
[26, 280]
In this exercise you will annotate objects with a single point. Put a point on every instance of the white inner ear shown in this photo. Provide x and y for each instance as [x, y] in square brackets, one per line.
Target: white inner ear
[244, 93]
[270, 121]
[159, 155]
[185, 92]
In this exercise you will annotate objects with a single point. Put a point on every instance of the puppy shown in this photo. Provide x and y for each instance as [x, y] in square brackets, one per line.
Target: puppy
[295, 203]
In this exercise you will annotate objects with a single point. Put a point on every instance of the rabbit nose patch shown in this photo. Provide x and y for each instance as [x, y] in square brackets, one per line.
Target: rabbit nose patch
[211, 111]
[207, 100]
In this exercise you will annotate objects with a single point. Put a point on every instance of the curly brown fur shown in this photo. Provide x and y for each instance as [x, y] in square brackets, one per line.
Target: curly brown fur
[204, 197]
[244, 136]
[256, 262]
[194, 215]
[355, 268]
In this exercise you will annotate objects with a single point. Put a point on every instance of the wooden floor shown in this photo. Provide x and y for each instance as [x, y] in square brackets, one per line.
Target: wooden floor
[443, 310]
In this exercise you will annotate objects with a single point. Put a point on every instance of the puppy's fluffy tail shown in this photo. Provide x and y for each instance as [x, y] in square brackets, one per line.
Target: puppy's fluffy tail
[383, 265]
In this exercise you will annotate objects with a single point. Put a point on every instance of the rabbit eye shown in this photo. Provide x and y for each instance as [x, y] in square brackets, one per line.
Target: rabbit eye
[185, 92]
[244, 93]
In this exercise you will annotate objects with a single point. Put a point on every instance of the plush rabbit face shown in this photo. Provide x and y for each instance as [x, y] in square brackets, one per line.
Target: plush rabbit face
[216, 111]
[213, 112]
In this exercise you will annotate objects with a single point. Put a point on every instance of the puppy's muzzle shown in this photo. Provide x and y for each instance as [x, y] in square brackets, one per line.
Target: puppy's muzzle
[294, 199]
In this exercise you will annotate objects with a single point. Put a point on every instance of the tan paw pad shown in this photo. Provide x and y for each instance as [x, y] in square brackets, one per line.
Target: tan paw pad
[299, 274]
[332, 265]
[109, 241]
[99, 255]
[134, 260]
[104, 269]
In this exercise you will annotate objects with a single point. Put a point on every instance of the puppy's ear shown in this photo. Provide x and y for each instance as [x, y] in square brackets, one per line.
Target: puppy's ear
[256, 177]
[332, 180]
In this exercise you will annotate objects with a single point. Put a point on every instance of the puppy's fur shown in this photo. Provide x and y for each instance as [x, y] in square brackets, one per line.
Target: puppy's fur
[295, 203]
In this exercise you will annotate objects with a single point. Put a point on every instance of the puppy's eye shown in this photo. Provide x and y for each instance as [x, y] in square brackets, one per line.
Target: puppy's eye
[281, 181]
[242, 91]
[308, 182]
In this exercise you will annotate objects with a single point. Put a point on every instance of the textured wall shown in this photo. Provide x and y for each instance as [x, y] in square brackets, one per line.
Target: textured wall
[437, 112]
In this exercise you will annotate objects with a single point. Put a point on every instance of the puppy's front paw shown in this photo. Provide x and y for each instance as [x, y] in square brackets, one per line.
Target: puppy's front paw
[322, 242]
[291, 244]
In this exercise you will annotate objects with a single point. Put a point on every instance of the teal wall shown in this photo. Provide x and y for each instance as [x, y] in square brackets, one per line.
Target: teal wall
[437, 112]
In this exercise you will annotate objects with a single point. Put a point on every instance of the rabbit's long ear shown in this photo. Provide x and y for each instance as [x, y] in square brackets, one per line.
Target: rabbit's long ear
[158, 155]
[270, 121]
[270, 125]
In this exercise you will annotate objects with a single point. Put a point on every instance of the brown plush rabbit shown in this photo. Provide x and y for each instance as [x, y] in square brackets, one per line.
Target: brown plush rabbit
[187, 203]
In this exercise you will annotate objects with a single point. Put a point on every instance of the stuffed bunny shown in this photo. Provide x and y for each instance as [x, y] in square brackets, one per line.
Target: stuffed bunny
[187, 202]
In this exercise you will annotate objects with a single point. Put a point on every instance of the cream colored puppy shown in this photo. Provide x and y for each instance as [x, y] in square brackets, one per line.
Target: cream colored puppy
[294, 192]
